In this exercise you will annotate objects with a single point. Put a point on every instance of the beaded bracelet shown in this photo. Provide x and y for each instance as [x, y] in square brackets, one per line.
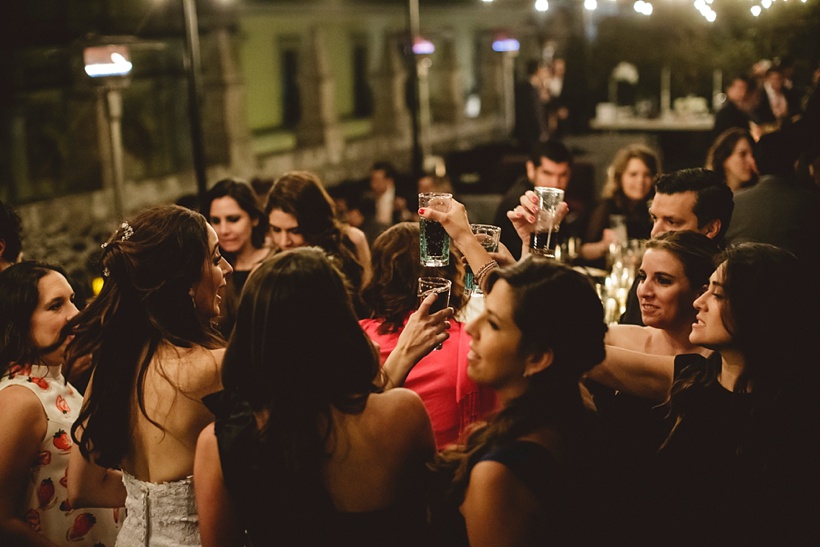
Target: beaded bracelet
[483, 271]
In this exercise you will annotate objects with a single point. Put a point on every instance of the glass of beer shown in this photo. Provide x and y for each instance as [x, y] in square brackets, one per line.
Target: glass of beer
[542, 242]
[439, 285]
[488, 235]
[434, 241]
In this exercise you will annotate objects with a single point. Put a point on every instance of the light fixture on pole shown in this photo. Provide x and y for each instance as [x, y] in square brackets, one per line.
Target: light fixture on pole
[107, 62]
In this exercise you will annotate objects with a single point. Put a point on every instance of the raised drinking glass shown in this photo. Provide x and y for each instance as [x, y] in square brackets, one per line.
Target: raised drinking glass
[434, 241]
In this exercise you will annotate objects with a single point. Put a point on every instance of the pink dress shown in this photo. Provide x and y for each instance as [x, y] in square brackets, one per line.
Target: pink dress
[452, 400]
[46, 506]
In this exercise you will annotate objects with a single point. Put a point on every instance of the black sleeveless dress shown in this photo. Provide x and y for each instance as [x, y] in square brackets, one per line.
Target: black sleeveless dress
[271, 518]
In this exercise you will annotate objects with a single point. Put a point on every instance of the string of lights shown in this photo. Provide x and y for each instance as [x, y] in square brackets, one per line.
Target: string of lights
[645, 7]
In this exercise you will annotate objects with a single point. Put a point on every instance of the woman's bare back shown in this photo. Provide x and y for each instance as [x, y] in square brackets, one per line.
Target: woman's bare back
[379, 455]
[175, 382]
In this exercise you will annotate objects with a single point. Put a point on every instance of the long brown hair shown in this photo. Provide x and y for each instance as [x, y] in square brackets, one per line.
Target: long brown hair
[723, 147]
[773, 329]
[614, 188]
[19, 296]
[149, 265]
[391, 292]
[576, 337]
[302, 195]
[275, 361]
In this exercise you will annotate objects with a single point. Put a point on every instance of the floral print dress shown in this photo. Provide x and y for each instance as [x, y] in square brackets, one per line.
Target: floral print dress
[46, 507]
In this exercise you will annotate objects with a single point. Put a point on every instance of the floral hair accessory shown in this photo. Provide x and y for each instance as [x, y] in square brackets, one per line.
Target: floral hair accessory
[127, 232]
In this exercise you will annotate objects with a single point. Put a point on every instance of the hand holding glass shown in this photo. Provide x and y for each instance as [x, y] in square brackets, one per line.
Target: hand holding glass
[549, 200]
[434, 241]
[488, 235]
[440, 286]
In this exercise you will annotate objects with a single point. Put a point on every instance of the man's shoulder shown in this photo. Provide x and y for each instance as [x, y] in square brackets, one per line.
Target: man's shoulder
[521, 185]
[512, 196]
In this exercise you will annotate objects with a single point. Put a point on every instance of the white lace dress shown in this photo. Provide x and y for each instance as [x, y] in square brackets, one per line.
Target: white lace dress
[159, 514]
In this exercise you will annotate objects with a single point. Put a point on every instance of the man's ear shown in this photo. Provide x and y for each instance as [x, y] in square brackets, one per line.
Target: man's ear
[537, 362]
[530, 171]
[712, 228]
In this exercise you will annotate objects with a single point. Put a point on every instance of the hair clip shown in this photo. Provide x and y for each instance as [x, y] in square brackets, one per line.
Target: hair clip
[127, 231]
[106, 272]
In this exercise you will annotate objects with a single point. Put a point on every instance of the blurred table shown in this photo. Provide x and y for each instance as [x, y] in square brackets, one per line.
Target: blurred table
[703, 122]
[682, 140]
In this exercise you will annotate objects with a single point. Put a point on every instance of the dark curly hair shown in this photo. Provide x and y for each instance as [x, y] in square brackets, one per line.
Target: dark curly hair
[302, 195]
[391, 292]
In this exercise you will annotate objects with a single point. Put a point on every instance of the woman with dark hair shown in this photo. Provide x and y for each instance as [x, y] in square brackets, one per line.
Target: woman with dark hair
[626, 192]
[731, 157]
[37, 408]
[242, 226]
[307, 449]
[301, 212]
[674, 270]
[453, 401]
[738, 467]
[155, 355]
[529, 476]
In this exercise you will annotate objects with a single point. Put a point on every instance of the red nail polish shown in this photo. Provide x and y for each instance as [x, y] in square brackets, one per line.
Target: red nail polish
[421, 211]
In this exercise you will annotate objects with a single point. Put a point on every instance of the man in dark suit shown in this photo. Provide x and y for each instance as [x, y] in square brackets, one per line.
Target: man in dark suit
[733, 113]
[549, 165]
[688, 199]
[530, 117]
[778, 210]
[774, 106]
[394, 197]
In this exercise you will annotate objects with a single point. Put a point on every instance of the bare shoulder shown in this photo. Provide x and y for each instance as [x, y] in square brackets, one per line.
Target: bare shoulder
[498, 509]
[401, 405]
[19, 401]
[494, 490]
[399, 401]
[21, 414]
[197, 371]
[631, 337]
[206, 442]
[356, 236]
[492, 476]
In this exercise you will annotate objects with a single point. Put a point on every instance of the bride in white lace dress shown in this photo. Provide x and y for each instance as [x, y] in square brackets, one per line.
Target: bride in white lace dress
[155, 356]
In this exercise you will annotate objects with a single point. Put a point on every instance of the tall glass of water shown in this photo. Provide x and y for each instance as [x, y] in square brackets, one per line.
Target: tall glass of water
[434, 241]
[439, 285]
[542, 242]
[488, 235]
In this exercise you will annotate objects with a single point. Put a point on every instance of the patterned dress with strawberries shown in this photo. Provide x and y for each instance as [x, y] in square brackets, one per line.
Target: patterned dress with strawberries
[46, 507]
